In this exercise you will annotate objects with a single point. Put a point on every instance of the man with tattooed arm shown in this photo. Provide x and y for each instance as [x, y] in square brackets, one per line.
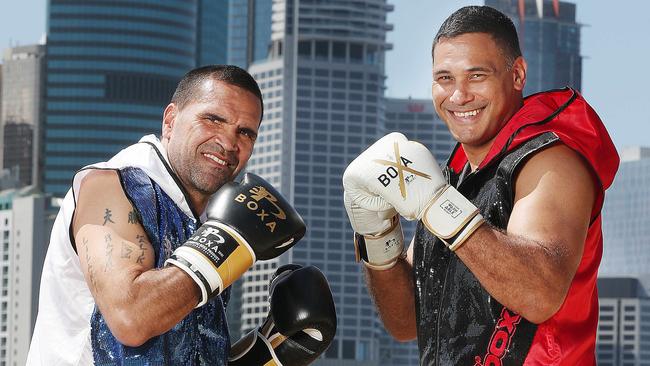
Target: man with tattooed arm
[146, 244]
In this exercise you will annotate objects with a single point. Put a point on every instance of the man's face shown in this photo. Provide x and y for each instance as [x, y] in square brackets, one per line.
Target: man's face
[474, 90]
[210, 140]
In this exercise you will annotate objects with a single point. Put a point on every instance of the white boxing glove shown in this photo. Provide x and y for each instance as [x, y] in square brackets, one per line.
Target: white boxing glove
[396, 172]
[378, 240]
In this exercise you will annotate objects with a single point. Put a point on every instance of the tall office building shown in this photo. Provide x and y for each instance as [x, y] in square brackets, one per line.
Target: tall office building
[25, 222]
[212, 32]
[249, 31]
[112, 67]
[323, 84]
[21, 116]
[623, 337]
[626, 217]
[248, 37]
[550, 41]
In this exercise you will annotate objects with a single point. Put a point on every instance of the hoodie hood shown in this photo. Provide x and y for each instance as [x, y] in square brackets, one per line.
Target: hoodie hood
[563, 112]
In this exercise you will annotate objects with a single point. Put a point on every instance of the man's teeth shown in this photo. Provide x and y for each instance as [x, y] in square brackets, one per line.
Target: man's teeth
[215, 159]
[467, 114]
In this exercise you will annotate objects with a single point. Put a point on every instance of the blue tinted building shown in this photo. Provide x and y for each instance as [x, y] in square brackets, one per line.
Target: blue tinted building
[550, 41]
[323, 85]
[112, 66]
[249, 31]
[212, 32]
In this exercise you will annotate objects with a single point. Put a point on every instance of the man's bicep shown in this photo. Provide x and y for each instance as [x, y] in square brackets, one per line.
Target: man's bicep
[112, 245]
[554, 197]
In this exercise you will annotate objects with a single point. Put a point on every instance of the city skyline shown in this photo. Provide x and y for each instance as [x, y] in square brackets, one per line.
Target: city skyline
[324, 101]
[612, 93]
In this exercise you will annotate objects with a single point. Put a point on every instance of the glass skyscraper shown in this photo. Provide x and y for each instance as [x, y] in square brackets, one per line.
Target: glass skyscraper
[626, 217]
[212, 32]
[21, 116]
[323, 84]
[549, 37]
[111, 68]
[249, 31]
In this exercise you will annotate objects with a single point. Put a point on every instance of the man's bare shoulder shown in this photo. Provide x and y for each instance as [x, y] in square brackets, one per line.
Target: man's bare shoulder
[101, 199]
[100, 179]
[559, 164]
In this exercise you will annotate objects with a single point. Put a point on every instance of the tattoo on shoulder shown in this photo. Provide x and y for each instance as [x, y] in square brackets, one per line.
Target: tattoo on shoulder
[133, 217]
[108, 216]
[142, 240]
[126, 250]
[109, 252]
[90, 266]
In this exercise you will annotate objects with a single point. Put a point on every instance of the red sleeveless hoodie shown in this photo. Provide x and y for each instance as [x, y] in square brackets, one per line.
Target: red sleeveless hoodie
[569, 336]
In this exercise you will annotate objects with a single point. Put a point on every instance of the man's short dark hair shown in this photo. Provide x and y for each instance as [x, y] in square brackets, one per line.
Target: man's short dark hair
[187, 88]
[482, 19]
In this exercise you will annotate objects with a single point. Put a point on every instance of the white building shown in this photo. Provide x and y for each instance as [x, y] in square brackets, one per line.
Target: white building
[624, 323]
[25, 223]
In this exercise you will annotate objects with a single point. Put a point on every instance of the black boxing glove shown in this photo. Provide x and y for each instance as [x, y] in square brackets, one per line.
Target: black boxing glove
[247, 221]
[301, 322]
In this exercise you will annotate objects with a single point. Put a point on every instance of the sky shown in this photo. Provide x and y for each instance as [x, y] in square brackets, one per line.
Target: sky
[615, 46]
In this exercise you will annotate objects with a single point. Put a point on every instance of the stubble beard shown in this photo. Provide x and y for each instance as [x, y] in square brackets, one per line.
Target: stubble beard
[193, 174]
[208, 183]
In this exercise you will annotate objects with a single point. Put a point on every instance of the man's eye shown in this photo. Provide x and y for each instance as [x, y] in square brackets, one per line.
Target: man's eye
[250, 134]
[477, 76]
[444, 78]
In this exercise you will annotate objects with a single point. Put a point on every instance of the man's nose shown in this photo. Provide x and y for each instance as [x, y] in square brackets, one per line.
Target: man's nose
[461, 95]
[229, 138]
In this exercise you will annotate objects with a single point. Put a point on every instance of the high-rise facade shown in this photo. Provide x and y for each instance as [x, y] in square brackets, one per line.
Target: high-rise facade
[623, 337]
[323, 84]
[25, 221]
[212, 32]
[112, 66]
[248, 31]
[626, 217]
[21, 112]
[549, 37]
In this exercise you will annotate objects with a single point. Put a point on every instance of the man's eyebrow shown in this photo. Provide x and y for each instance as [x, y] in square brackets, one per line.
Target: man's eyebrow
[480, 68]
[212, 116]
[471, 69]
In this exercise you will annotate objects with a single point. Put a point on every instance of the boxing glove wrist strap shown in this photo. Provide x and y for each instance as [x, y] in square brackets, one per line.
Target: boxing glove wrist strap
[452, 217]
[381, 251]
[214, 257]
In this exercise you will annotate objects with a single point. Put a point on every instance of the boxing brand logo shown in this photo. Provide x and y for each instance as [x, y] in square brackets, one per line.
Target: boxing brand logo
[500, 340]
[253, 203]
[396, 169]
[450, 208]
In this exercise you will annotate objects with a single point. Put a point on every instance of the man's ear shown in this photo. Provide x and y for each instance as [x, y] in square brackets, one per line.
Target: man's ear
[519, 68]
[169, 118]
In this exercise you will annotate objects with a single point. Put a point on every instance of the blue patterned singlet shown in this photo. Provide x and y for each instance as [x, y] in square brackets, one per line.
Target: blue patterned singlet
[202, 337]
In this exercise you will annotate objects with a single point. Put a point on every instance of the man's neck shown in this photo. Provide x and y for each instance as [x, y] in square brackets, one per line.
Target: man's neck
[476, 154]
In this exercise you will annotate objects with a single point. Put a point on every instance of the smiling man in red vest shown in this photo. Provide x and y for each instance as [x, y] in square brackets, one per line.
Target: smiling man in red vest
[503, 266]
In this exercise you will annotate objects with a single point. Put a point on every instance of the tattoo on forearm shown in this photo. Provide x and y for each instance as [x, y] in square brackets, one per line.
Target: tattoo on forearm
[90, 267]
[109, 252]
[133, 217]
[126, 250]
[108, 217]
[141, 245]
